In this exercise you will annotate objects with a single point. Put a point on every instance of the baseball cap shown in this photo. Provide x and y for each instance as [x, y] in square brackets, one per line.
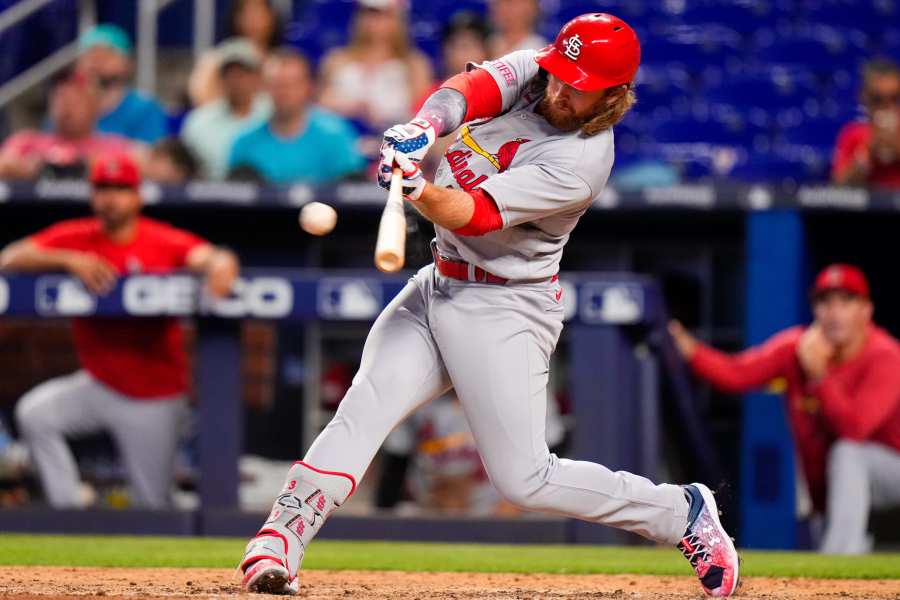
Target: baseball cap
[105, 34]
[843, 277]
[238, 51]
[115, 169]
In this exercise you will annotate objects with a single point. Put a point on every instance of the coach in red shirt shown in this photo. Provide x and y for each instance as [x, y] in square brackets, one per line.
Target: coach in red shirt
[134, 375]
[842, 398]
[868, 152]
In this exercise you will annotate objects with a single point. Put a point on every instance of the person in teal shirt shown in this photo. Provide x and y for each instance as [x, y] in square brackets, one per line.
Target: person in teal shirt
[106, 55]
[299, 143]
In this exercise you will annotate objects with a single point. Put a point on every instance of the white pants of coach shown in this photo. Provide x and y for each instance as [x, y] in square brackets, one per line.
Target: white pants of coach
[146, 433]
[861, 476]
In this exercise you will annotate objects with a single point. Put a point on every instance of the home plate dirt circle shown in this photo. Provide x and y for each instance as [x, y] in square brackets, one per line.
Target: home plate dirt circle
[46, 583]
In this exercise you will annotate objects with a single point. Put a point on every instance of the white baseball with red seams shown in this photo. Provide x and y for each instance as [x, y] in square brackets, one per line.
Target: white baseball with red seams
[491, 342]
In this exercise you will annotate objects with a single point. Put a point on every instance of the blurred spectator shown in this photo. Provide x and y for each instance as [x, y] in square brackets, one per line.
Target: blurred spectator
[514, 23]
[377, 78]
[210, 130]
[170, 161]
[868, 152]
[843, 401]
[105, 56]
[134, 377]
[464, 40]
[255, 20]
[71, 143]
[300, 143]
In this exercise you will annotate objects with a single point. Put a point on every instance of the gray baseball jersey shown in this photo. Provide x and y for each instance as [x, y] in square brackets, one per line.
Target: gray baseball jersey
[541, 179]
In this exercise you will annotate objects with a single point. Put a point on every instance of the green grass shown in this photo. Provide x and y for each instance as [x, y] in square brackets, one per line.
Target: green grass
[225, 552]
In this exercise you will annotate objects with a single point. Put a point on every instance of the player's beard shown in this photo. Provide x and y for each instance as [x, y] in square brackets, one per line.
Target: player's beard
[562, 116]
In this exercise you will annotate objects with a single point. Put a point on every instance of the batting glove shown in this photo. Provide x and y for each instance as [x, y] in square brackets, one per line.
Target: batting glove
[412, 139]
[413, 180]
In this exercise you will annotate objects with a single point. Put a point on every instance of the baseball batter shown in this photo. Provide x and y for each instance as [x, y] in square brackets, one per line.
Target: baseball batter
[485, 317]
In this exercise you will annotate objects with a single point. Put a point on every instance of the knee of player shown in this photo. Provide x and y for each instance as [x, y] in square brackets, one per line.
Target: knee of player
[519, 487]
[846, 452]
[29, 417]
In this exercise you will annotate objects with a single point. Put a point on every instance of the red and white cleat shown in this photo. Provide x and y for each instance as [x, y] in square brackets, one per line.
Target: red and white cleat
[266, 576]
[707, 546]
[274, 557]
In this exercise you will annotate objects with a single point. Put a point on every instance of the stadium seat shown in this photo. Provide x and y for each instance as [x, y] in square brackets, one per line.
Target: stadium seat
[813, 48]
[777, 168]
[763, 96]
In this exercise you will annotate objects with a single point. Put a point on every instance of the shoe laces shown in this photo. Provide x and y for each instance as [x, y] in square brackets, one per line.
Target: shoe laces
[693, 549]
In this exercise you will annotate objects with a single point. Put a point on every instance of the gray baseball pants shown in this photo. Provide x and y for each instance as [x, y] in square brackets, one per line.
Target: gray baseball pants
[861, 476]
[146, 433]
[492, 343]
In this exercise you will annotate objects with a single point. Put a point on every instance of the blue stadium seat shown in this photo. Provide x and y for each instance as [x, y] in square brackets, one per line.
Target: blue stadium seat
[815, 49]
[773, 167]
[871, 17]
[764, 96]
[818, 132]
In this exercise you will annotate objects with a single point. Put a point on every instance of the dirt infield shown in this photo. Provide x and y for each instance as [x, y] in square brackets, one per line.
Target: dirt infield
[46, 583]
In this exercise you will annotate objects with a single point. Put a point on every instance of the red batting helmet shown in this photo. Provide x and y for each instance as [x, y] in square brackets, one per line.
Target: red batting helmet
[593, 52]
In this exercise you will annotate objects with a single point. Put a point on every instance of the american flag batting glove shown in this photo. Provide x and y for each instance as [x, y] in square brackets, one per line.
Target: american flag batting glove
[412, 139]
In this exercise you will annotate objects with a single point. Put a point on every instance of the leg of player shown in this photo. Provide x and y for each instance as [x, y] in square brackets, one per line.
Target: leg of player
[46, 415]
[147, 433]
[496, 343]
[400, 370]
[861, 476]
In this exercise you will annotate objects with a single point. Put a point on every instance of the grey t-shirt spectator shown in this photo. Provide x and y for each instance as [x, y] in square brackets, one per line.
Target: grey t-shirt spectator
[210, 130]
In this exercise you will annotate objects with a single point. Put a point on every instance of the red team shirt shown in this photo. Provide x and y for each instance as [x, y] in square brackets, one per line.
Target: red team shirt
[142, 358]
[854, 138]
[858, 399]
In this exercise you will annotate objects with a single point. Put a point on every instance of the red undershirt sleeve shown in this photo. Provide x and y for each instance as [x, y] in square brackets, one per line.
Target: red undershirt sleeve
[485, 218]
[746, 370]
[481, 92]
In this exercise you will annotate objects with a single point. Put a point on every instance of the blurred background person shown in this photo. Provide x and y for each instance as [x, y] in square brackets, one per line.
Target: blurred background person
[134, 377]
[106, 56]
[842, 400]
[868, 152]
[377, 78]
[170, 161]
[257, 21]
[463, 40]
[515, 23]
[210, 130]
[300, 142]
[72, 140]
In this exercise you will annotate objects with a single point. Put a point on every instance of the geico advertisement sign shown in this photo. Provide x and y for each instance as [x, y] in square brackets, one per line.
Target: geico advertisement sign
[262, 297]
[4, 295]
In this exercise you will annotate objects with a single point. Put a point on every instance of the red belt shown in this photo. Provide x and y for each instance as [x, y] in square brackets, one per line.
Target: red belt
[463, 271]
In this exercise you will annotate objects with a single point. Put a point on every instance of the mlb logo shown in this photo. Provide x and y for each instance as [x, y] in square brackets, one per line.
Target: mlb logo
[349, 299]
[615, 304]
[63, 297]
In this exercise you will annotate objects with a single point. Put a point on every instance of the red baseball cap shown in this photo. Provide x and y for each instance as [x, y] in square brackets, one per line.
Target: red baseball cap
[115, 169]
[843, 277]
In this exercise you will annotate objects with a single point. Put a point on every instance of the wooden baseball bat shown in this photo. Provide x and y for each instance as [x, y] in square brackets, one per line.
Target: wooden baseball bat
[390, 249]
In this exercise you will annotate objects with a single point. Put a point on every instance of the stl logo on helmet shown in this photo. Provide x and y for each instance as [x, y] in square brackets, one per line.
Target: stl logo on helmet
[573, 46]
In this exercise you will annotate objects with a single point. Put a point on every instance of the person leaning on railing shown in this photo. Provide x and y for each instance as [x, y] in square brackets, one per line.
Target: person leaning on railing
[134, 377]
[842, 401]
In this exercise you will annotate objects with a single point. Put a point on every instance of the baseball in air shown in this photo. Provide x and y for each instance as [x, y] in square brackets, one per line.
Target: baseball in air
[317, 218]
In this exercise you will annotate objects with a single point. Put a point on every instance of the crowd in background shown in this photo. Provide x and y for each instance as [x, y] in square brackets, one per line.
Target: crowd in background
[256, 109]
